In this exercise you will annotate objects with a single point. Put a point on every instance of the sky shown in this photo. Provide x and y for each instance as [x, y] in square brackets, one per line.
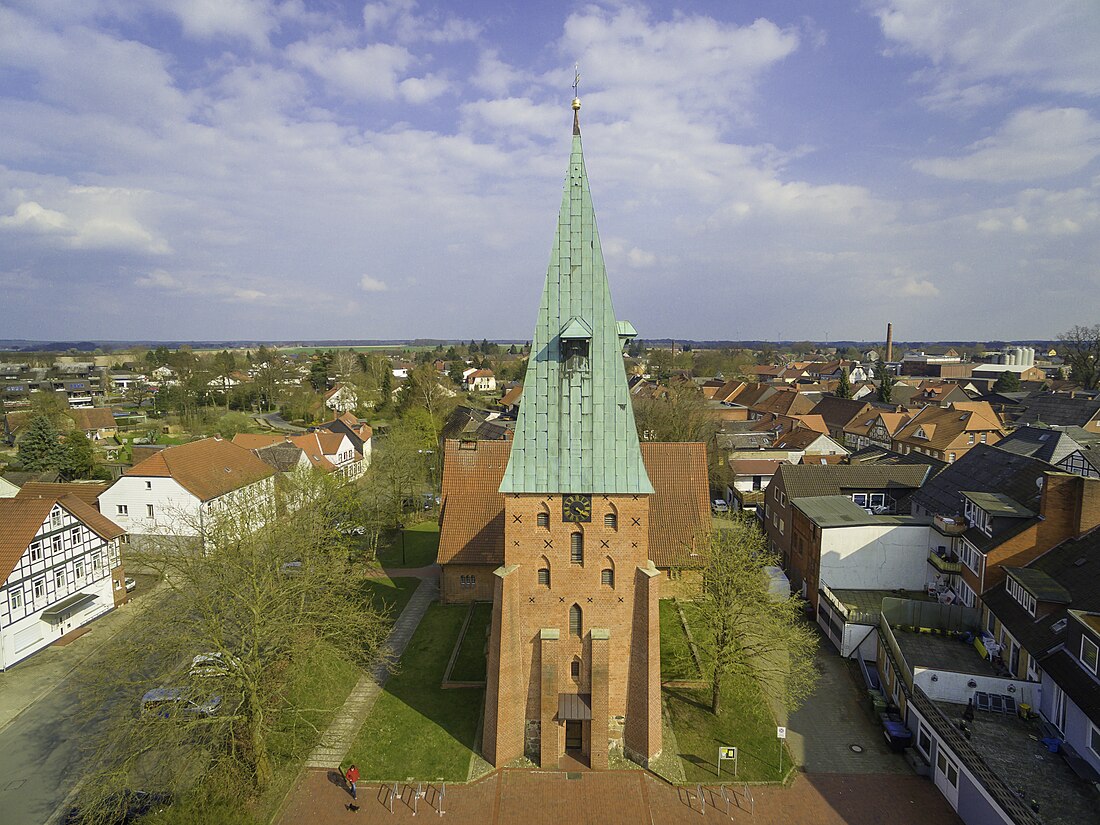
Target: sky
[319, 169]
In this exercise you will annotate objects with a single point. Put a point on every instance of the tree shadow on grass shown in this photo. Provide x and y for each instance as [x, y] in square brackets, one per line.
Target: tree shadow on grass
[686, 695]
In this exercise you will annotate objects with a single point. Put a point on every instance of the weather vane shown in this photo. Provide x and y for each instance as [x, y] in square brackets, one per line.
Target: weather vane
[576, 77]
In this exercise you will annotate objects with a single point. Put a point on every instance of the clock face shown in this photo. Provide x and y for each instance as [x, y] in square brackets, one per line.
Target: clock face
[576, 507]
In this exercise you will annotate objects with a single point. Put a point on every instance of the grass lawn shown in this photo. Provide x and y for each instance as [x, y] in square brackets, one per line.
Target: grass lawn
[417, 729]
[676, 660]
[421, 543]
[746, 720]
[391, 595]
[470, 663]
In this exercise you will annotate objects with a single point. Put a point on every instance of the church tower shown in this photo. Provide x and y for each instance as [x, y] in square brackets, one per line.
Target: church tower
[574, 655]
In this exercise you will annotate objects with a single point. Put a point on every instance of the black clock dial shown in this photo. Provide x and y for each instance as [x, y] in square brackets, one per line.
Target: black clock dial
[576, 507]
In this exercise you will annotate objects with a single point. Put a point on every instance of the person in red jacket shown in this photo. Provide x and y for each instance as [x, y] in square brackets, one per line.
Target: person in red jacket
[352, 776]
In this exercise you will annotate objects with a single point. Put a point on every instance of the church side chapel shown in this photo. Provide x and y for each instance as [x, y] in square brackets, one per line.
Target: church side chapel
[571, 528]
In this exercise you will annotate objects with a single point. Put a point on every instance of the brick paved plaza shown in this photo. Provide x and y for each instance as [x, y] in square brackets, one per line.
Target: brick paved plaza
[611, 797]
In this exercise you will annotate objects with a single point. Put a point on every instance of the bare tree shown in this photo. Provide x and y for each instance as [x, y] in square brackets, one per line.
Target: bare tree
[747, 630]
[1081, 351]
[258, 596]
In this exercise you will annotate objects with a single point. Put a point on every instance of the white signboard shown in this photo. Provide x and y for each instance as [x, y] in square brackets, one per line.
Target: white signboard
[780, 733]
[729, 753]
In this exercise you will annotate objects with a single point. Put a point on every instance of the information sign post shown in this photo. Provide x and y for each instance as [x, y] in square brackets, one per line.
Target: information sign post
[780, 734]
[729, 754]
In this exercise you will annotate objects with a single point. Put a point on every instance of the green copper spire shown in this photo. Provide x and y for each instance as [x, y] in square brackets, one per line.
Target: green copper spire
[575, 431]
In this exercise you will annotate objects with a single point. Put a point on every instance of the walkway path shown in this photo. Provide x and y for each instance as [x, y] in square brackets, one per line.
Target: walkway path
[340, 736]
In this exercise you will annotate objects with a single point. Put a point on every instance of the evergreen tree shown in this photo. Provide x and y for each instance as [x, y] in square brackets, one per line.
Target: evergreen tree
[78, 458]
[512, 350]
[40, 447]
[1008, 382]
[886, 382]
[844, 389]
[385, 386]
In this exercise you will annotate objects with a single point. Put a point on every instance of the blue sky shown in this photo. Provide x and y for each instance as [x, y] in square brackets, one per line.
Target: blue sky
[196, 169]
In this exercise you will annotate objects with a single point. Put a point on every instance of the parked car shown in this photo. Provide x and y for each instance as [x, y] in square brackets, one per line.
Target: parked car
[131, 583]
[169, 702]
[719, 505]
[349, 529]
[119, 808]
[213, 664]
[291, 568]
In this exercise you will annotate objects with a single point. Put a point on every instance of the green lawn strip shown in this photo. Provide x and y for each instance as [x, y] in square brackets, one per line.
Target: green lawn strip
[470, 663]
[676, 661]
[417, 729]
[421, 546]
[746, 722]
[391, 595]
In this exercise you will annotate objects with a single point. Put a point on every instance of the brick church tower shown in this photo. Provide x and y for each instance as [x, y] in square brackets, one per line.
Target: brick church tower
[574, 650]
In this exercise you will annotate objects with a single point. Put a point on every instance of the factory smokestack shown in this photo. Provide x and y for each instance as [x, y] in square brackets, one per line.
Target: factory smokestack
[889, 343]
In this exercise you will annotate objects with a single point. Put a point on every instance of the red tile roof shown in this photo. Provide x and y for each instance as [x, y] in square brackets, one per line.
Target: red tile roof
[22, 517]
[472, 530]
[207, 469]
[98, 418]
[86, 491]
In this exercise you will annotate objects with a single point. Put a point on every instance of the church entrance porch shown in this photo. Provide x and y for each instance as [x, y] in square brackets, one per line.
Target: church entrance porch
[575, 757]
[574, 738]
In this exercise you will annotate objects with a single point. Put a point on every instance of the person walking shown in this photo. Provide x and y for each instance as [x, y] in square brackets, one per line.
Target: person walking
[352, 776]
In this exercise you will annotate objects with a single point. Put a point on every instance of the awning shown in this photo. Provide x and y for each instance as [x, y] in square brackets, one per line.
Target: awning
[574, 706]
[74, 602]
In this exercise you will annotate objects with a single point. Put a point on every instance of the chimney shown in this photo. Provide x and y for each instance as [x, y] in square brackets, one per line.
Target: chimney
[889, 343]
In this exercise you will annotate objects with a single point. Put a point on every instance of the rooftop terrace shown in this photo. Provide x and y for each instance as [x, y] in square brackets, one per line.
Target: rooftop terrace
[1010, 746]
[939, 652]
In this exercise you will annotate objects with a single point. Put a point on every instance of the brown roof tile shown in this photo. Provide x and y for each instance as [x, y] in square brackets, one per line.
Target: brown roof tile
[472, 530]
[87, 491]
[98, 418]
[22, 517]
[208, 468]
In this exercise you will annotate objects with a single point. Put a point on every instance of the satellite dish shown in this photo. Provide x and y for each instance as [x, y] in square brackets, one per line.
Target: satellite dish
[1039, 482]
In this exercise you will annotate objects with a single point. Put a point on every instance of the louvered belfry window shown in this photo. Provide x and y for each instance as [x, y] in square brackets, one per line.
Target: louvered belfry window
[575, 620]
[576, 548]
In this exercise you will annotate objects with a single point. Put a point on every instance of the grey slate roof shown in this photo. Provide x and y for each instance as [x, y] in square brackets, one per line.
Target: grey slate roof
[841, 511]
[805, 480]
[984, 469]
[575, 430]
[872, 455]
[1042, 443]
[1050, 408]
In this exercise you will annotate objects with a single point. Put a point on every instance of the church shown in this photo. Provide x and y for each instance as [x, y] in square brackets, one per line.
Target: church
[572, 527]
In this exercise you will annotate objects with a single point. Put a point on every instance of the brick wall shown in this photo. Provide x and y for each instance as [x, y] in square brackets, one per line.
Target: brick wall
[518, 643]
[455, 583]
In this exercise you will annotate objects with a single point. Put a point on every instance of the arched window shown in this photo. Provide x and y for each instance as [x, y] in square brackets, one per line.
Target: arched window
[543, 519]
[575, 668]
[611, 520]
[544, 572]
[576, 548]
[607, 575]
[575, 620]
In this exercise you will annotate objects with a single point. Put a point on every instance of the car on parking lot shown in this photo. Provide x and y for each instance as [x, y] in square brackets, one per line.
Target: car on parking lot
[119, 808]
[131, 583]
[214, 664]
[166, 703]
[719, 505]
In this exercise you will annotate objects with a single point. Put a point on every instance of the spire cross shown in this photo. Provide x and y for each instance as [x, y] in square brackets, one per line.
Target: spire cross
[576, 78]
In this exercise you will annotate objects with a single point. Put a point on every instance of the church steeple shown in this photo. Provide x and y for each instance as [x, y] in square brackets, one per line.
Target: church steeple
[575, 431]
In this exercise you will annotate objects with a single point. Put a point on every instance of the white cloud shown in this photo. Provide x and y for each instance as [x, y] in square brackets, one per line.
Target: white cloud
[369, 284]
[369, 72]
[32, 217]
[402, 18]
[198, 285]
[640, 258]
[251, 20]
[495, 76]
[1033, 144]
[1046, 44]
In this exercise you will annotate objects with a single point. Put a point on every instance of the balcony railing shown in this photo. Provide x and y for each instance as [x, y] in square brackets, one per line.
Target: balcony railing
[950, 526]
[946, 562]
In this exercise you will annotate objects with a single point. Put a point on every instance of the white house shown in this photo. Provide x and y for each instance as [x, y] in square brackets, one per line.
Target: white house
[171, 492]
[60, 568]
[479, 380]
[342, 398]
[327, 451]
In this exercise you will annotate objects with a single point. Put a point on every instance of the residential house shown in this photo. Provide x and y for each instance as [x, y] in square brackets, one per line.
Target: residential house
[473, 424]
[174, 491]
[342, 399]
[875, 428]
[511, 398]
[1059, 409]
[994, 509]
[60, 566]
[327, 451]
[8, 489]
[838, 413]
[1072, 449]
[751, 477]
[98, 423]
[479, 381]
[359, 432]
[949, 433]
[884, 490]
